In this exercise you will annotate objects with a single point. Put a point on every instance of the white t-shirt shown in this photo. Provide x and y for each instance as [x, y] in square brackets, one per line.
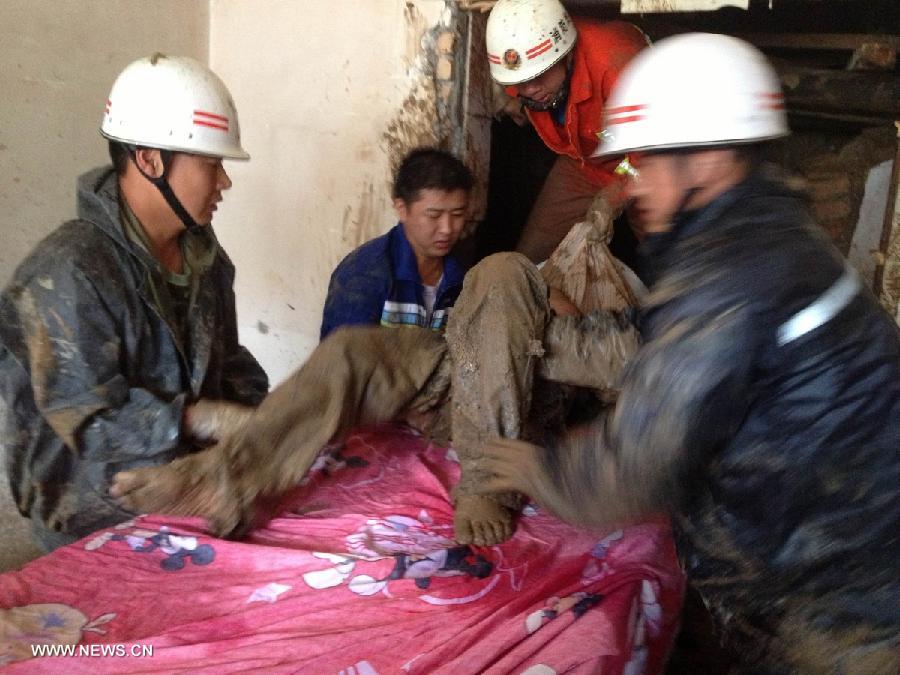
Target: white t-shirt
[429, 295]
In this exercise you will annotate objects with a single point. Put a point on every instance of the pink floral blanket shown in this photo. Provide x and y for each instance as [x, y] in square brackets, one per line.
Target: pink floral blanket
[359, 574]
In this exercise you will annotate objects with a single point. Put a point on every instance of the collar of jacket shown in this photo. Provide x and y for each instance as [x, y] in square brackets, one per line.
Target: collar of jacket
[655, 249]
[98, 203]
[580, 86]
[403, 261]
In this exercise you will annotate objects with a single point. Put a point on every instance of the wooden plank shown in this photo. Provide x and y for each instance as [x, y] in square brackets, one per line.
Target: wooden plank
[835, 41]
[888, 229]
[840, 91]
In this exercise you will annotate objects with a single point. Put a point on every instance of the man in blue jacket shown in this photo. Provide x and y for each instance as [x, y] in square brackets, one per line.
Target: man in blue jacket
[762, 409]
[407, 277]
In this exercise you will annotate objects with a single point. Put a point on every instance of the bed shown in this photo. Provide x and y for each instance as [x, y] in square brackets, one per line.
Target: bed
[358, 574]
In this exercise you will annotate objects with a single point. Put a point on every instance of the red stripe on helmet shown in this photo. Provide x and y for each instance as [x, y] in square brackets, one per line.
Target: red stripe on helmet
[771, 100]
[624, 120]
[625, 108]
[539, 49]
[211, 125]
[209, 115]
[546, 49]
[493, 58]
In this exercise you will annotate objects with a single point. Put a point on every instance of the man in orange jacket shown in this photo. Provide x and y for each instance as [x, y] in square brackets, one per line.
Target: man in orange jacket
[563, 71]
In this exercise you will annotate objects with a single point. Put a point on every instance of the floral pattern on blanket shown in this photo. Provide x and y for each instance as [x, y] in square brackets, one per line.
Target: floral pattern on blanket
[357, 573]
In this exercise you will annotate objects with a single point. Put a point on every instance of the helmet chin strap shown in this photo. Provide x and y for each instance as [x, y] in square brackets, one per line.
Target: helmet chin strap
[162, 184]
[559, 98]
[688, 193]
[555, 102]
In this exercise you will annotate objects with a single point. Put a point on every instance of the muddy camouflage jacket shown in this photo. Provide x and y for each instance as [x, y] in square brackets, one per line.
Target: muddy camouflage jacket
[92, 380]
[781, 446]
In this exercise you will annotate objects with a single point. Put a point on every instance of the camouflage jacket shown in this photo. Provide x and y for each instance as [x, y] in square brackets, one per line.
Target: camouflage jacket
[92, 377]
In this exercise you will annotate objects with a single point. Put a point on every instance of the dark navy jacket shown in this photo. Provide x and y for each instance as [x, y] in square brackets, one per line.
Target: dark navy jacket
[783, 447]
[379, 283]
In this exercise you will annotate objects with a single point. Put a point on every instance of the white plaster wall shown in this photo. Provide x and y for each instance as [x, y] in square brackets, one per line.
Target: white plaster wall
[59, 59]
[316, 83]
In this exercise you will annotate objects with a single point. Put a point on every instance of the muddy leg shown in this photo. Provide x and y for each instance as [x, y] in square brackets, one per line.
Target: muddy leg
[494, 338]
[195, 485]
[356, 376]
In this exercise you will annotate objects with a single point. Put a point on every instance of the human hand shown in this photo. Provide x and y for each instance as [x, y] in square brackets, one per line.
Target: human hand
[209, 420]
[561, 304]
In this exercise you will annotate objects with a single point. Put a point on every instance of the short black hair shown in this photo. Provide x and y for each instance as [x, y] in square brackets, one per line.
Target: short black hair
[430, 168]
[120, 155]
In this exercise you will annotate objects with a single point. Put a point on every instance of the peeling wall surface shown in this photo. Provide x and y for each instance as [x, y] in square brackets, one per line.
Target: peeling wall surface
[330, 96]
[60, 58]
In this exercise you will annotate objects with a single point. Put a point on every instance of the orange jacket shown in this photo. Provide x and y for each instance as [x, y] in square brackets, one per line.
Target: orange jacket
[600, 53]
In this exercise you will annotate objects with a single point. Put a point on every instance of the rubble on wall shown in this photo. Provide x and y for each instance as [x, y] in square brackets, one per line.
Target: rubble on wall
[835, 168]
[442, 107]
[429, 114]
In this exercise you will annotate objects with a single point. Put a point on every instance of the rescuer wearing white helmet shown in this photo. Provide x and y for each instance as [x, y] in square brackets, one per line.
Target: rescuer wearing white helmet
[120, 326]
[760, 411]
[562, 69]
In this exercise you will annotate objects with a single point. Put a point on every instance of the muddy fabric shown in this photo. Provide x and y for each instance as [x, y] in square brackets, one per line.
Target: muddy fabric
[585, 270]
[590, 351]
[479, 386]
[495, 338]
[781, 461]
[501, 335]
[92, 379]
[357, 375]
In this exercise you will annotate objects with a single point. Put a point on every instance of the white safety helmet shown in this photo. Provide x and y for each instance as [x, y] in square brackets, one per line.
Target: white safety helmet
[173, 103]
[527, 37]
[698, 89]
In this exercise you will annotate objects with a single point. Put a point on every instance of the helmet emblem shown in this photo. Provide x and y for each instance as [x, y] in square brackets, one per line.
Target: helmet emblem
[511, 59]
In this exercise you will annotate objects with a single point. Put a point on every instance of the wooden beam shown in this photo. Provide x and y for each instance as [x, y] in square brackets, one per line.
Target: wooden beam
[847, 92]
[834, 41]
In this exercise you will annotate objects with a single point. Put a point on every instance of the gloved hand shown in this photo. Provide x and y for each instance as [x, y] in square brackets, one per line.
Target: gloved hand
[605, 208]
[208, 420]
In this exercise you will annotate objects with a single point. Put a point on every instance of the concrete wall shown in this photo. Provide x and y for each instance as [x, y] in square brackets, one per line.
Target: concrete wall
[330, 95]
[59, 59]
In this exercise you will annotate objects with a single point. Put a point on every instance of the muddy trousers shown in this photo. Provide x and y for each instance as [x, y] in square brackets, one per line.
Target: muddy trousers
[500, 335]
[563, 201]
[505, 345]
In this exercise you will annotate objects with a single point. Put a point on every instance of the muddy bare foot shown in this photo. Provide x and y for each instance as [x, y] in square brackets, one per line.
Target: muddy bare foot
[189, 486]
[481, 521]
